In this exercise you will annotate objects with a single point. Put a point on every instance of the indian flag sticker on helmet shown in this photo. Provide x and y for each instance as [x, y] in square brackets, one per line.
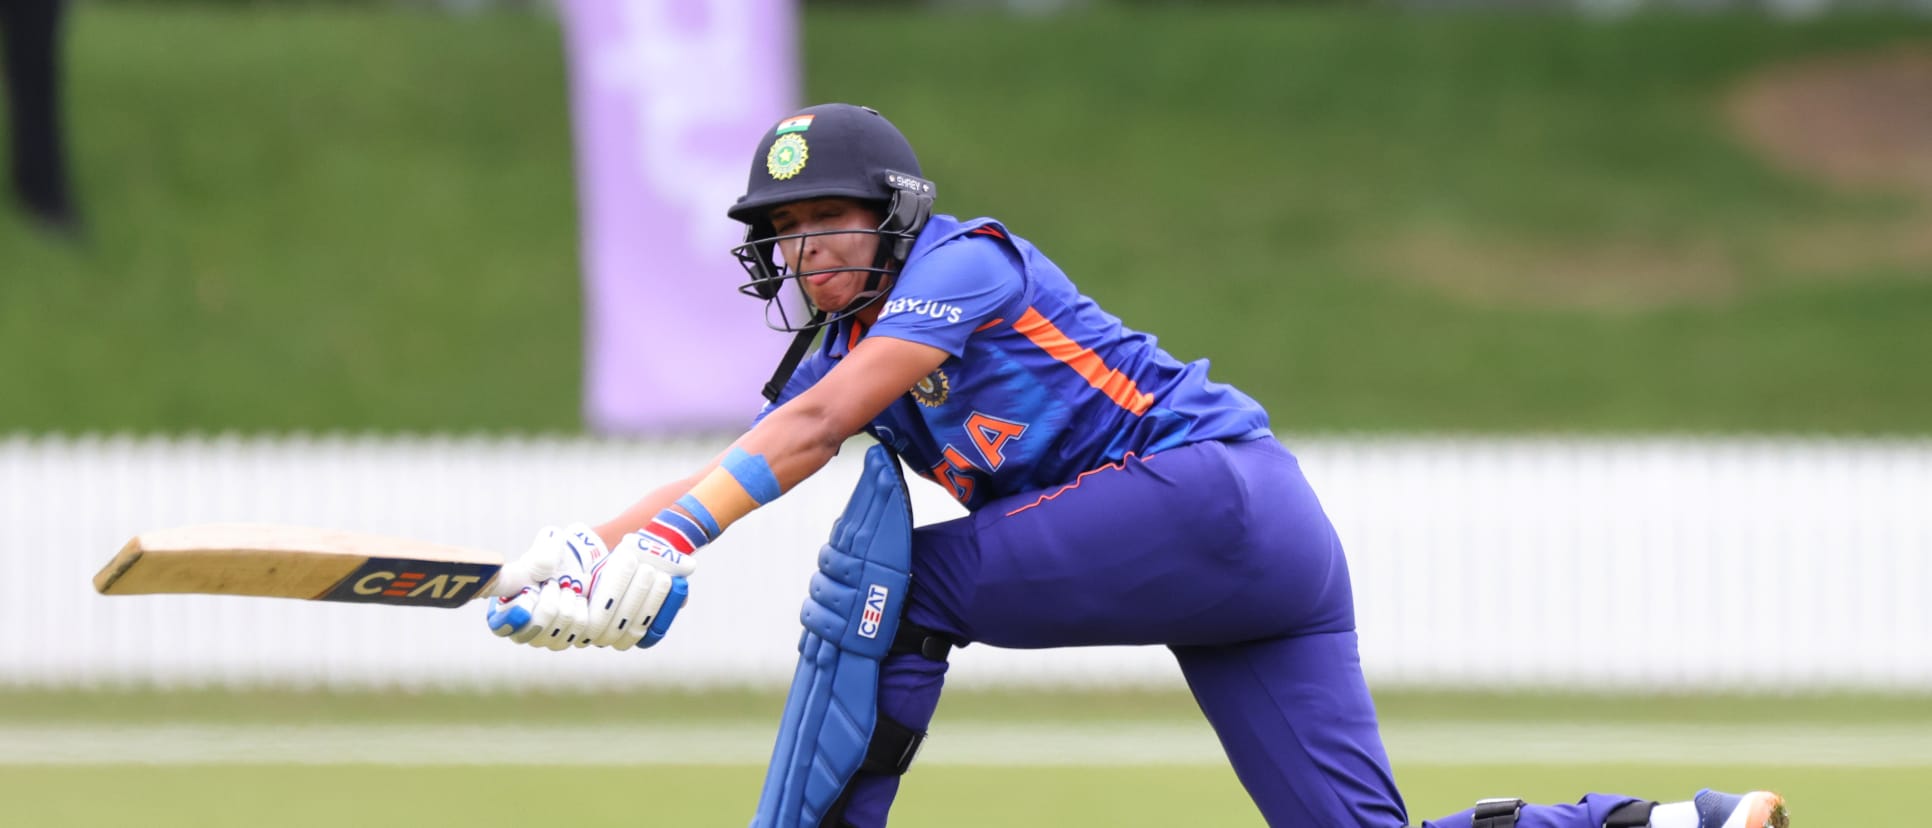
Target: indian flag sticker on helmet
[796, 123]
[787, 156]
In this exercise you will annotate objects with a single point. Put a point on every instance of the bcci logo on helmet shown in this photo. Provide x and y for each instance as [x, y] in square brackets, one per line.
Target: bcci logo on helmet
[787, 156]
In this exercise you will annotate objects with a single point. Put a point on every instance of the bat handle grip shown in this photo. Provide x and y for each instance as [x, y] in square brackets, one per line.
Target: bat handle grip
[673, 602]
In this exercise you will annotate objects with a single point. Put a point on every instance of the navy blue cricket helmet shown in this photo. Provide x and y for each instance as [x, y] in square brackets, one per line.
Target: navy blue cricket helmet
[829, 150]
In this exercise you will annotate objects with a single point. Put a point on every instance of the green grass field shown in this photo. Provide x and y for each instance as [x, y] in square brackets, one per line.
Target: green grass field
[289, 795]
[1827, 786]
[355, 217]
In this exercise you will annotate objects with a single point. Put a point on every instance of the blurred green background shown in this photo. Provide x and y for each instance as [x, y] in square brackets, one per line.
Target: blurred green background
[328, 216]
[360, 216]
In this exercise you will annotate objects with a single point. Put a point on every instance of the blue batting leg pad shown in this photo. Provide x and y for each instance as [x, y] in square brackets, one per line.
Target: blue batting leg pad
[850, 618]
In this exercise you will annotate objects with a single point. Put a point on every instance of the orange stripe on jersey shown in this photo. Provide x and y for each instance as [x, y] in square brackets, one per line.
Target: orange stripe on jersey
[988, 325]
[1117, 386]
[989, 231]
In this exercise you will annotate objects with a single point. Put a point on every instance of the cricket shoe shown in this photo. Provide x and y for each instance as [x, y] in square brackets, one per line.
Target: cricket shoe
[1757, 809]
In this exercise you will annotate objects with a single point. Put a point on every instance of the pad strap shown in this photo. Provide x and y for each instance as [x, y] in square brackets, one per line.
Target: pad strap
[892, 749]
[1629, 815]
[1502, 813]
[1496, 813]
[913, 638]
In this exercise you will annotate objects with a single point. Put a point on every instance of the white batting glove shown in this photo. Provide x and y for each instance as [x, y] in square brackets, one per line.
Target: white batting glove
[541, 562]
[547, 607]
[636, 590]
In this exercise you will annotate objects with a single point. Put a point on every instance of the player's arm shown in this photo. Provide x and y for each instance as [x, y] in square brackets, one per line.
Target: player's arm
[802, 435]
[981, 277]
[639, 514]
[798, 438]
[633, 588]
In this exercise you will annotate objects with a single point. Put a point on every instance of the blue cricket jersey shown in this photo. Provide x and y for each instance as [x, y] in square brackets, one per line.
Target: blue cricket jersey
[1041, 384]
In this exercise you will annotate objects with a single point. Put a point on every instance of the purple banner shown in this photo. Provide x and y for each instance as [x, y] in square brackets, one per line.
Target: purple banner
[669, 99]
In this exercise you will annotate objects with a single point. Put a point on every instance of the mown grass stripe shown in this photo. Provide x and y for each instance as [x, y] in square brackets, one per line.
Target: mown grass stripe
[960, 743]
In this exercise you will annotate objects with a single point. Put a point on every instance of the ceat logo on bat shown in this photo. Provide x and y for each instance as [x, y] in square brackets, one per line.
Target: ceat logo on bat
[413, 583]
[874, 614]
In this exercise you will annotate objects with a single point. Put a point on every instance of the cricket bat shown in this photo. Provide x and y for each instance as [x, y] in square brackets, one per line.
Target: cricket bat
[279, 561]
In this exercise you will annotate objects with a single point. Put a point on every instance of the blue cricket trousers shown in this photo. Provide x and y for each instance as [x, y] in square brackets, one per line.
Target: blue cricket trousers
[1219, 551]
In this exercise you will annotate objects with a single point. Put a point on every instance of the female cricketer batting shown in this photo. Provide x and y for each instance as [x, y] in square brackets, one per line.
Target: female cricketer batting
[1116, 495]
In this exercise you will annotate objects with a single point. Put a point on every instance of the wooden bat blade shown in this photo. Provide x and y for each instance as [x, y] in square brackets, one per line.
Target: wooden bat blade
[279, 561]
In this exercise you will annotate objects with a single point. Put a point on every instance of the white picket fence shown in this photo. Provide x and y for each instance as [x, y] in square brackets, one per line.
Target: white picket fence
[1662, 564]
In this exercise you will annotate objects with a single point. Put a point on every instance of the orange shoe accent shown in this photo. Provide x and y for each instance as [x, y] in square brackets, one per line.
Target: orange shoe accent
[1775, 815]
[1765, 809]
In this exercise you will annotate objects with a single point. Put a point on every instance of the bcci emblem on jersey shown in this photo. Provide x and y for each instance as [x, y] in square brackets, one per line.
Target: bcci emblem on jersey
[931, 392]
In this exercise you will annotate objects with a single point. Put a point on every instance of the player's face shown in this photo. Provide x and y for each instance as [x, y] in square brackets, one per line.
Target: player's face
[856, 247]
